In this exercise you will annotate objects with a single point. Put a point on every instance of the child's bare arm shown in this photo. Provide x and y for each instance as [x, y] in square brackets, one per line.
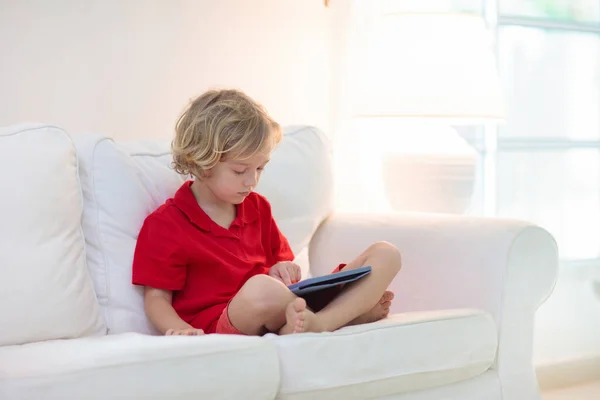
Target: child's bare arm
[157, 304]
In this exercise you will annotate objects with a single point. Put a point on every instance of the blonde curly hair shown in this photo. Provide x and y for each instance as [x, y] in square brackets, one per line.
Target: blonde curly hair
[219, 125]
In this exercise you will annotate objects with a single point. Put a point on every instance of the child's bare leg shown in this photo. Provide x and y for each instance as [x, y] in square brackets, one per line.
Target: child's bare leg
[378, 312]
[259, 306]
[264, 305]
[360, 297]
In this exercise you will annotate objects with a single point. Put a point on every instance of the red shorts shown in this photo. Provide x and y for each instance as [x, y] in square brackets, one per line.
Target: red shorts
[225, 327]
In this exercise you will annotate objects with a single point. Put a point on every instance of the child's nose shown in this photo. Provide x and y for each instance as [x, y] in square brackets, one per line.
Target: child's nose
[252, 180]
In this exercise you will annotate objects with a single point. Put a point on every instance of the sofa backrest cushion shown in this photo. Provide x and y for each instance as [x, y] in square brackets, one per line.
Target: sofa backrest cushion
[123, 182]
[45, 288]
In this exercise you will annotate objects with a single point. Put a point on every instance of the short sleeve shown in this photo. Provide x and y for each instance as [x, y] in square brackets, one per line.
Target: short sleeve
[159, 260]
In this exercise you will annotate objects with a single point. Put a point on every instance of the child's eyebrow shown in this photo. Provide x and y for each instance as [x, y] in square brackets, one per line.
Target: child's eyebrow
[246, 164]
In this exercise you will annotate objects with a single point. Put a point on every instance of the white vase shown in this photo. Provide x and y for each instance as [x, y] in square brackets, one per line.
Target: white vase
[429, 168]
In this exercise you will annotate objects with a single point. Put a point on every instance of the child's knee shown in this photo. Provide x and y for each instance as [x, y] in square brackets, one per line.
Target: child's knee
[264, 294]
[388, 251]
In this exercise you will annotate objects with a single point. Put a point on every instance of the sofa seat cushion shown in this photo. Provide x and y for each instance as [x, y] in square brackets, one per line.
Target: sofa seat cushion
[403, 353]
[136, 366]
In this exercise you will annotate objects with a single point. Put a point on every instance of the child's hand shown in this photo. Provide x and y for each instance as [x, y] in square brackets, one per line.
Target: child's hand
[287, 272]
[184, 332]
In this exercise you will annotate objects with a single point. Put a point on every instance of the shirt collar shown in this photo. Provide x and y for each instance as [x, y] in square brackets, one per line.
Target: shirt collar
[184, 200]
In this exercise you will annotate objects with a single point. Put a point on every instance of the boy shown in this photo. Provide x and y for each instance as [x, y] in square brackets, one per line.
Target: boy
[212, 259]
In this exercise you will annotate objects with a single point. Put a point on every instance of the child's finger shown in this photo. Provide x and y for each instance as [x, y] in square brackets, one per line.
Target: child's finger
[294, 273]
[285, 276]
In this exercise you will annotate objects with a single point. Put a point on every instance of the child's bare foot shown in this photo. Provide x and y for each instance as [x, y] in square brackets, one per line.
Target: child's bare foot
[298, 318]
[380, 311]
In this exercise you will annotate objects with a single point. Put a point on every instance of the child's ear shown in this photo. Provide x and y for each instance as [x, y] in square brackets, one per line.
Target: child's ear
[200, 175]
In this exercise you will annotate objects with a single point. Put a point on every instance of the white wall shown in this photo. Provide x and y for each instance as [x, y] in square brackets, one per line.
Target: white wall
[567, 336]
[127, 68]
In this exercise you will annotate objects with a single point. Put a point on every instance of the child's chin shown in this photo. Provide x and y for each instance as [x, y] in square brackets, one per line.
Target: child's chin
[237, 199]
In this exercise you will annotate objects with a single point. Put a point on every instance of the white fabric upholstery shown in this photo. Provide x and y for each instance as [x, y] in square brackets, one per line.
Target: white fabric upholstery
[504, 267]
[380, 359]
[121, 186]
[123, 182]
[483, 387]
[45, 289]
[134, 366]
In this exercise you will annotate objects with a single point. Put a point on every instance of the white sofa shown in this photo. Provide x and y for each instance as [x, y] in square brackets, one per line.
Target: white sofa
[72, 326]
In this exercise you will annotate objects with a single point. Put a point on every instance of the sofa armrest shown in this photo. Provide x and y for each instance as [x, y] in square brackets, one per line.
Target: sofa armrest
[505, 267]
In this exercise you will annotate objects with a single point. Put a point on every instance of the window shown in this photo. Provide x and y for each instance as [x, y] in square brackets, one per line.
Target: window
[552, 83]
[556, 10]
[547, 155]
[468, 6]
[543, 163]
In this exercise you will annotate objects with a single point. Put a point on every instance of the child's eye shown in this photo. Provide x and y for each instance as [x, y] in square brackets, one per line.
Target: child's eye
[239, 172]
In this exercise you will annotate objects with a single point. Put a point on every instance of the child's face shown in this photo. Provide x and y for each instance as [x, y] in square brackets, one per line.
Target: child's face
[232, 180]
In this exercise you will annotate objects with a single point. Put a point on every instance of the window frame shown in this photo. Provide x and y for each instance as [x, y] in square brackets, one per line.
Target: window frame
[492, 144]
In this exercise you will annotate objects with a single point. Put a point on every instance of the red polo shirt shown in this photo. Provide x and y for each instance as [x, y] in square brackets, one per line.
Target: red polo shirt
[181, 249]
